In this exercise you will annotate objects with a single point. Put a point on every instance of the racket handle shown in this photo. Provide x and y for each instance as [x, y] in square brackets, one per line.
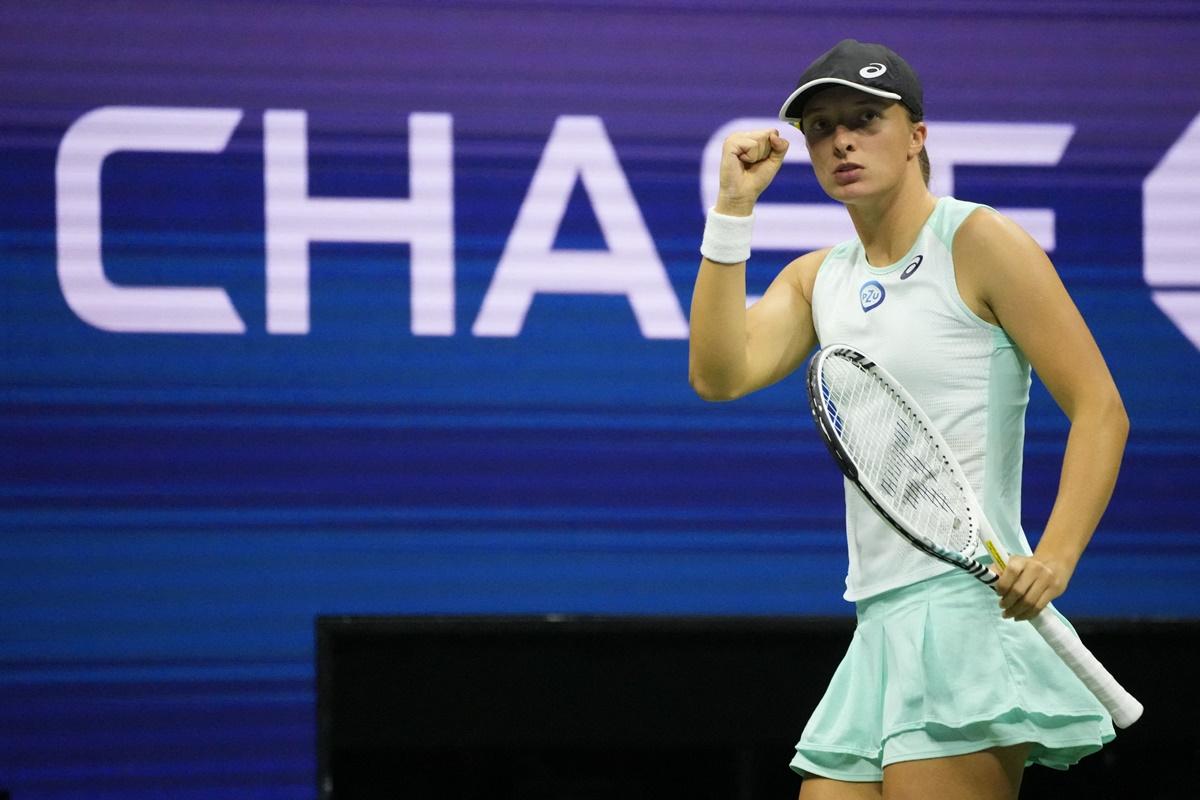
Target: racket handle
[1124, 707]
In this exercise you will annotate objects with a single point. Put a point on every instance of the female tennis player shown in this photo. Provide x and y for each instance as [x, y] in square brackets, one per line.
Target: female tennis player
[941, 693]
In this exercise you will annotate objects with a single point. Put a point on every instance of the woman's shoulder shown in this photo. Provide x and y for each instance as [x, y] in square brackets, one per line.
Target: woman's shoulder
[951, 215]
[985, 229]
[802, 271]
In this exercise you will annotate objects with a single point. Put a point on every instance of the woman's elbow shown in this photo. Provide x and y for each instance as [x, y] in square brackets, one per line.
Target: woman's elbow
[1110, 414]
[1120, 417]
[708, 391]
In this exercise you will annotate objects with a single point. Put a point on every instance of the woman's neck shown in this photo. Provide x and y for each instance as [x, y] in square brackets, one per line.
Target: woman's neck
[888, 225]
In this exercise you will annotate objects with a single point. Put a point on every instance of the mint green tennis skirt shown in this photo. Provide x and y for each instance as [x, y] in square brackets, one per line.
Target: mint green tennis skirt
[935, 670]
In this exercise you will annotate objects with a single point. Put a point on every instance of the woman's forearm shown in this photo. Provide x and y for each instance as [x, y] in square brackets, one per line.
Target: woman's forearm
[1092, 459]
[717, 342]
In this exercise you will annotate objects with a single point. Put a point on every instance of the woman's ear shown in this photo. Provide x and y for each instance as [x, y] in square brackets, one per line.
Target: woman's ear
[917, 142]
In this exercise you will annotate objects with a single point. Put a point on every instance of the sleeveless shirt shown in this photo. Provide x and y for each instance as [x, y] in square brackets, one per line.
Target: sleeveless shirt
[967, 374]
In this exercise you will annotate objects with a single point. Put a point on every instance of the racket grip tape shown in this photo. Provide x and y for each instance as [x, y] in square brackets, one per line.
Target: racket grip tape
[1124, 707]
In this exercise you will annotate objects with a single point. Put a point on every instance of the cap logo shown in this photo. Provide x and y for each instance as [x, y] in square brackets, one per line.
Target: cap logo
[873, 70]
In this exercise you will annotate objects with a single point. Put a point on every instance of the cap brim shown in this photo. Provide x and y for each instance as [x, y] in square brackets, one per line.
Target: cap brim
[794, 96]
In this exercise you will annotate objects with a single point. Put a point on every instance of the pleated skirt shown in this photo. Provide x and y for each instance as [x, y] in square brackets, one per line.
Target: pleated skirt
[934, 670]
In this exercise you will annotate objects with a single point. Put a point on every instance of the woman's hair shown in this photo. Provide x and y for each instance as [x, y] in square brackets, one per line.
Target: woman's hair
[923, 157]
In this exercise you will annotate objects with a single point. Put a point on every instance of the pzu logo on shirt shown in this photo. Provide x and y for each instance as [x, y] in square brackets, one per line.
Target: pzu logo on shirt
[871, 295]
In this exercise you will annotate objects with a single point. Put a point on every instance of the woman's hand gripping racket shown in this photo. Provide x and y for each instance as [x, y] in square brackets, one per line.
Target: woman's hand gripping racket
[883, 442]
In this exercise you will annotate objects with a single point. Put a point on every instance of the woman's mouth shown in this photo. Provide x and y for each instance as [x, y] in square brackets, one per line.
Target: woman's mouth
[848, 172]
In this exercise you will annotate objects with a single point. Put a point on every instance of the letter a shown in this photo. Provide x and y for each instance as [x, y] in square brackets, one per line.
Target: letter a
[579, 148]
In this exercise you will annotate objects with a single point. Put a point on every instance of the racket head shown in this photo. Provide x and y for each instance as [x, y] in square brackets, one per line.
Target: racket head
[888, 448]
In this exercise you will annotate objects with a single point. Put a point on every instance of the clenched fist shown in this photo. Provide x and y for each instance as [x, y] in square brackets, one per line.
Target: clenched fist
[749, 161]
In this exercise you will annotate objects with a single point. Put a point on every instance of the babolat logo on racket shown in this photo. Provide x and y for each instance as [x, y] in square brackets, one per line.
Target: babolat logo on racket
[871, 294]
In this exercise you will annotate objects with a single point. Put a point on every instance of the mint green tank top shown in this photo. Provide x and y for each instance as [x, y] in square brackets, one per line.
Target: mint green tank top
[967, 374]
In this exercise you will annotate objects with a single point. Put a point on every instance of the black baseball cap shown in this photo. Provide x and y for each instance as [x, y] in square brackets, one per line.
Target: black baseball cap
[870, 68]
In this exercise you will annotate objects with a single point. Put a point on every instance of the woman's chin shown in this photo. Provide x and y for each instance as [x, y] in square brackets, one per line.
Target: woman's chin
[849, 194]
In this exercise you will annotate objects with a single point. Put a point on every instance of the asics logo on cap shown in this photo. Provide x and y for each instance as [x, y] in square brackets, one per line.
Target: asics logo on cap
[873, 70]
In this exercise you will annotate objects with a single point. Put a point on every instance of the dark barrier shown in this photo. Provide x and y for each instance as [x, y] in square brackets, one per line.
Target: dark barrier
[651, 707]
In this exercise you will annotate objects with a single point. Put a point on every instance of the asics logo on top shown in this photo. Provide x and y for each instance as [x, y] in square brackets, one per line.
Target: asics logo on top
[912, 267]
[873, 70]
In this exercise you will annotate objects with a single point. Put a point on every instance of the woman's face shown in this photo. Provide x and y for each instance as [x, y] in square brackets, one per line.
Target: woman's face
[859, 144]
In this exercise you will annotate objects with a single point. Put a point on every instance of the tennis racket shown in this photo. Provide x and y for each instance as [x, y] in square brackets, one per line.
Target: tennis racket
[885, 444]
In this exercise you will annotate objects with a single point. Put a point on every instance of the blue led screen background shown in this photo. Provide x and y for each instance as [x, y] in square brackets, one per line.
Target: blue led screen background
[381, 309]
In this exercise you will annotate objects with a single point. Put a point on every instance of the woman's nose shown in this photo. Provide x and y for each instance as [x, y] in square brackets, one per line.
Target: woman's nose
[843, 139]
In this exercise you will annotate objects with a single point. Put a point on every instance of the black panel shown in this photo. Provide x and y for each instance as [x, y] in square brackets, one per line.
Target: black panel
[652, 707]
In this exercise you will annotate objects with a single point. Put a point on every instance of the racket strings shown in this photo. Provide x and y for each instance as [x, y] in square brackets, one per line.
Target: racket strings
[896, 454]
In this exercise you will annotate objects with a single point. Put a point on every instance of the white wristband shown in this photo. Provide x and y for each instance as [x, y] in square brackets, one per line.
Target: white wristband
[726, 238]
